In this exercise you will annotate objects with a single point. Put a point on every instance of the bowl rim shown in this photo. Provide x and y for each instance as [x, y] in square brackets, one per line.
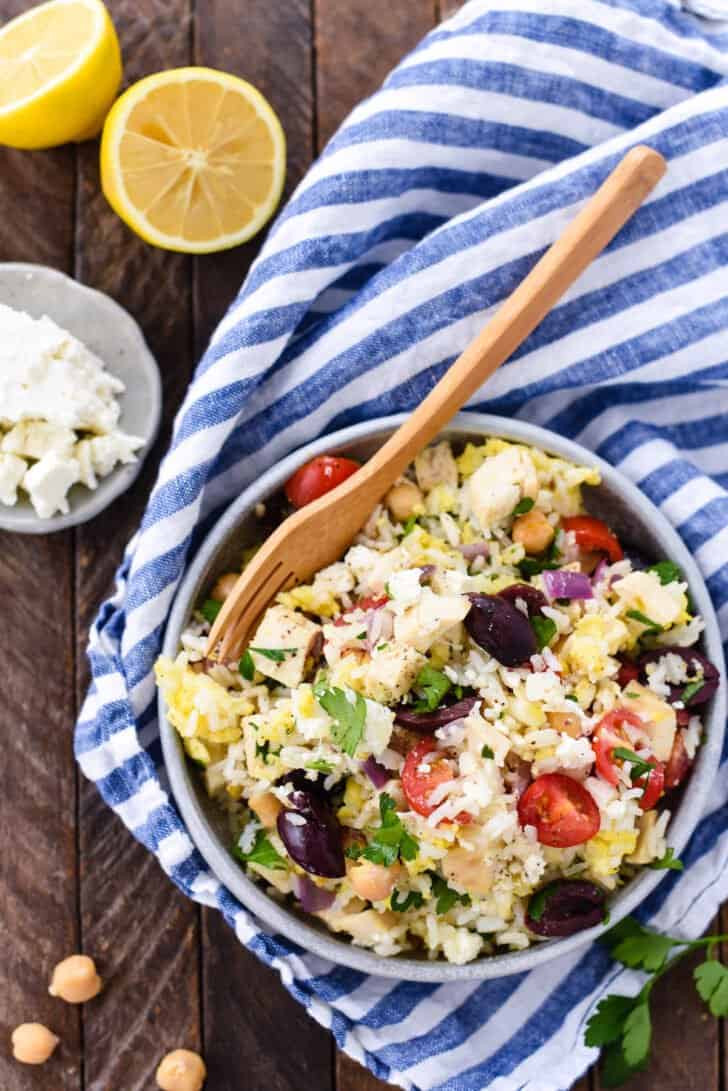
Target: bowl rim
[271, 914]
[123, 476]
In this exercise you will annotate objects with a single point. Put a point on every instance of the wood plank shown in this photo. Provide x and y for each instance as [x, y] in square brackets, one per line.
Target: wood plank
[144, 932]
[446, 8]
[351, 1076]
[357, 45]
[245, 1006]
[38, 801]
[685, 1052]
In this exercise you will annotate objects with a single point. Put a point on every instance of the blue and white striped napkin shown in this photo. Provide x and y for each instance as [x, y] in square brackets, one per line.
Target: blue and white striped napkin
[431, 203]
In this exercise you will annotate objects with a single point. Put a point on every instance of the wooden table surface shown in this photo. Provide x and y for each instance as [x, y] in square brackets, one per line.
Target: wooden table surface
[71, 876]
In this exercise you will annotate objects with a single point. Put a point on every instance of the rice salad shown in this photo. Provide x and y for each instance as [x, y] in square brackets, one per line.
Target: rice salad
[463, 736]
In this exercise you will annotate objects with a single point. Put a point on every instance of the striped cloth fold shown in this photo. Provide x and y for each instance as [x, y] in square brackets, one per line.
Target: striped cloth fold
[430, 204]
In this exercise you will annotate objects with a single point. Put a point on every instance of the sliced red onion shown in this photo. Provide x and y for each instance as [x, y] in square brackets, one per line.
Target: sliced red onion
[313, 898]
[567, 585]
[377, 774]
[374, 628]
[475, 549]
[598, 573]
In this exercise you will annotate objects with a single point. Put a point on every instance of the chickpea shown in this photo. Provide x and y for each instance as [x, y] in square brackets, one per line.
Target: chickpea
[224, 585]
[75, 980]
[267, 807]
[533, 531]
[33, 1043]
[469, 869]
[404, 500]
[373, 882]
[568, 722]
[181, 1070]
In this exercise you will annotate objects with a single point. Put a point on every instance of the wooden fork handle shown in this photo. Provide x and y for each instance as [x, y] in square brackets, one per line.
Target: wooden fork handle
[583, 240]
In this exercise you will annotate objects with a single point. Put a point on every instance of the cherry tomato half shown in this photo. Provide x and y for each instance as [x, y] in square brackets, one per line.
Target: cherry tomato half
[592, 535]
[562, 810]
[317, 477]
[418, 783]
[607, 738]
[678, 764]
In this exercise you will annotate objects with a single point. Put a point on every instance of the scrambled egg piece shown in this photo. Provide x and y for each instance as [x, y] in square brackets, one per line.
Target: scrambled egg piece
[198, 707]
[604, 852]
[665, 605]
[595, 639]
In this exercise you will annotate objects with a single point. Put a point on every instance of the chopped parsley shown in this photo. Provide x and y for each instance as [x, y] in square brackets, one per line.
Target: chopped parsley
[434, 685]
[349, 717]
[668, 861]
[545, 630]
[261, 853]
[640, 767]
[691, 689]
[445, 895]
[523, 506]
[390, 840]
[320, 766]
[409, 525]
[412, 900]
[572, 697]
[637, 615]
[210, 609]
[382, 647]
[666, 572]
[276, 655]
[487, 752]
[246, 666]
[362, 635]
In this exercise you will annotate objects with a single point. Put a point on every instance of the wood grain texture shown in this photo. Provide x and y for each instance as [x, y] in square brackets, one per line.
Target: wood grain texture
[357, 45]
[143, 931]
[245, 1006]
[38, 866]
[351, 1076]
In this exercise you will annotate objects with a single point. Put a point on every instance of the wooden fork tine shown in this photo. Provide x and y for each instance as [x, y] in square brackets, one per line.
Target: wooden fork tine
[248, 610]
[259, 572]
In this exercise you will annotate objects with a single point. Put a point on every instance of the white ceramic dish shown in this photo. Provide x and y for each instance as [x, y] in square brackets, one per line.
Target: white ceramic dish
[109, 331]
[636, 520]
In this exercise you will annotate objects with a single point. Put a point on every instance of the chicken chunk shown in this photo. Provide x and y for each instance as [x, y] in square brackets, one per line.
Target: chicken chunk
[289, 636]
[436, 466]
[499, 484]
[429, 619]
[392, 672]
[660, 718]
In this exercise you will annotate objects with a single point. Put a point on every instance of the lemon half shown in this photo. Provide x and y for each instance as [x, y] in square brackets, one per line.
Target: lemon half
[193, 160]
[60, 69]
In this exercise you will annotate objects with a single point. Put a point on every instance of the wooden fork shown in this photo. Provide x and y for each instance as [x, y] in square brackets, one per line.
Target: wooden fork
[319, 534]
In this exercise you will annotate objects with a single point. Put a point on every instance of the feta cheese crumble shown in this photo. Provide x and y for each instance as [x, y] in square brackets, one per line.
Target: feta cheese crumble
[59, 414]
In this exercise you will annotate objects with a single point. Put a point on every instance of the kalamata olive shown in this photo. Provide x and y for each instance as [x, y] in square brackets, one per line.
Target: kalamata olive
[533, 598]
[312, 835]
[711, 675]
[427, 722]
[502, 630]
[565, 907]
[303, 782]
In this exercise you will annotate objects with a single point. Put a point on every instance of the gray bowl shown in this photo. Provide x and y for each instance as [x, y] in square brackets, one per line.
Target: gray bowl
[111, 332]
[632, 515]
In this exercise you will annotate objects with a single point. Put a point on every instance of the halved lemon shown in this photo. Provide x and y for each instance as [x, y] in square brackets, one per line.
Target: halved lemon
[60, 69]
[193, 160]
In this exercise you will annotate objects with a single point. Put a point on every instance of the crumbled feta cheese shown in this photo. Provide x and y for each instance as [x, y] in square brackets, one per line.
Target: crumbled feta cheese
[12, 472]
[33, 439]
[47, 483]
[404, 587]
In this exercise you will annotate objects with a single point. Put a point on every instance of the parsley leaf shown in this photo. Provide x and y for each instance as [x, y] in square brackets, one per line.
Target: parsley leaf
[276, 655]
[412, 900]
[246, 666]
[261, 853]
[669, 860]
[615, 1070]
[640, 767]
[607, 1022]
[711, 981]
[487, 752]
[409, 525]
[210, 609]
[637, 1035]
[391, 840]
[638, 947]
[445, 895]
[523, 506]
[649, 624]
[691, 689]
[434, 685]
[545, 630]
[349, 717]
[666, 571]
[531, 566]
